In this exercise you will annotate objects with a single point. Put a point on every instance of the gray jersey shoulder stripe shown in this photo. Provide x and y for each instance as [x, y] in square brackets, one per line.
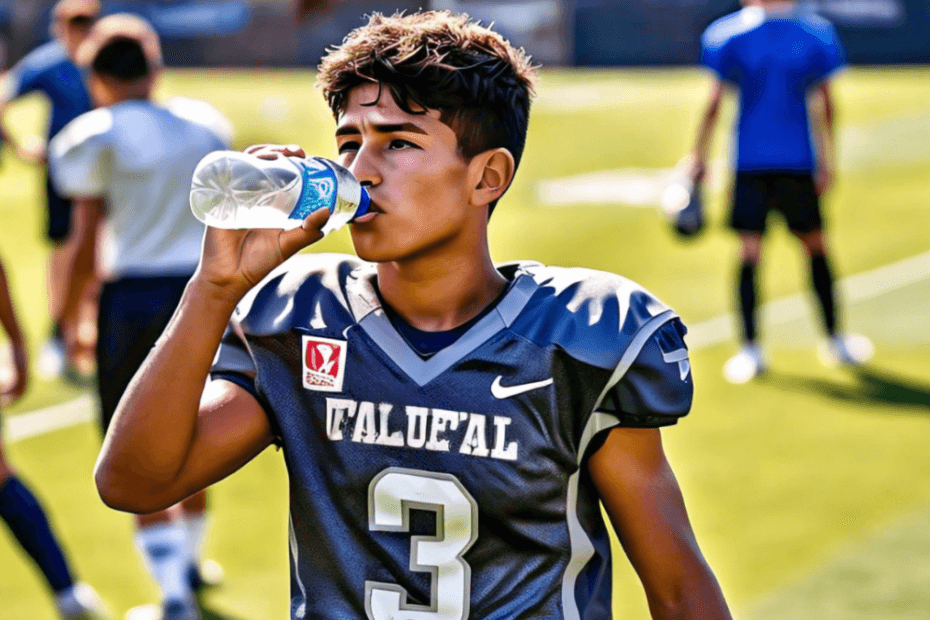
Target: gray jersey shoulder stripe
[632, 352]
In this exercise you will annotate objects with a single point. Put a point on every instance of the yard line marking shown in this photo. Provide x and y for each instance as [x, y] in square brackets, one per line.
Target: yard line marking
[861, 286]
[854, 288]
[49, 419]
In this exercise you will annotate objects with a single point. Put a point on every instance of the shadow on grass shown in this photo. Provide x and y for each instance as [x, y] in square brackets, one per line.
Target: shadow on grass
[873, 386]
[208, 613]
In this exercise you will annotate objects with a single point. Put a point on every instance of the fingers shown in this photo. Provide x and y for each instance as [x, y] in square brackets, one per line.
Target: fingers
[292, 241]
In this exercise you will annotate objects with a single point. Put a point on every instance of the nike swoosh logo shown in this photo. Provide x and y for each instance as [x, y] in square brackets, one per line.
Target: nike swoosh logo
[501, 392]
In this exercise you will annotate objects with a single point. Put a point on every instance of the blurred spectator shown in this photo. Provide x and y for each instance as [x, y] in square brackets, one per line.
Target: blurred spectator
[50, 70]
[779, 60]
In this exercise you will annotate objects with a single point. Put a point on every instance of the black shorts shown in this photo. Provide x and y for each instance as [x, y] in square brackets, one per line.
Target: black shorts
[58, 213]
[133, 314]
[755, 194]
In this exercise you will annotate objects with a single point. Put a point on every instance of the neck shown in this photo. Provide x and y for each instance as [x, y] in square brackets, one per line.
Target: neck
[780, 6]
[443, 289]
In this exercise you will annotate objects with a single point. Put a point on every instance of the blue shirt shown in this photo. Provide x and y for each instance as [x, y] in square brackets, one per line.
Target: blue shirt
[773, 60]
[49, 70]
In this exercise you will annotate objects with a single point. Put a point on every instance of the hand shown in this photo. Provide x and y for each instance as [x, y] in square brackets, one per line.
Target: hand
[823, 179]
[32, 150]
[697, 169]
[11, 392]
[273, 151]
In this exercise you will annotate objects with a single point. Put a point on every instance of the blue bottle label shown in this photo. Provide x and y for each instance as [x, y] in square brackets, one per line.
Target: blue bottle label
[318, 191]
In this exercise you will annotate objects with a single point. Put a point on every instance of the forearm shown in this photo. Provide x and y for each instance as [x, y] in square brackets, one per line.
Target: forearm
[700, 598]
[7, 313]
[155, 424]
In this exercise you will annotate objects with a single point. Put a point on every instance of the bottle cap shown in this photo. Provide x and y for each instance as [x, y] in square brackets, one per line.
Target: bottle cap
[364, 202]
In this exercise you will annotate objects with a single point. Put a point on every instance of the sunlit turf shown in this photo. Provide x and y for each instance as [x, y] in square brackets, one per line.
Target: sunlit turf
[779, 475]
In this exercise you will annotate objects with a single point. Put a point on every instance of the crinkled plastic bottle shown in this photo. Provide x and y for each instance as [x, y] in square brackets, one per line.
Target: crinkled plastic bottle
[237, 190]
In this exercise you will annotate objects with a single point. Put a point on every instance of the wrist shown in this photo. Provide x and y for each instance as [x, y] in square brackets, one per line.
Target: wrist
[222, 298]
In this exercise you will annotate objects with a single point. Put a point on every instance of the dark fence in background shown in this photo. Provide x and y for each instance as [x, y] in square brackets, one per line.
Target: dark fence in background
[555, 32]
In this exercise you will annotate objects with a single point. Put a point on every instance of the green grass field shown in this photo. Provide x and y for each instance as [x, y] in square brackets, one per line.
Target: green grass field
[808, 489]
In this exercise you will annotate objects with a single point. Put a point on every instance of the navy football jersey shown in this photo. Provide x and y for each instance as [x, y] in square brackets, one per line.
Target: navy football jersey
[454, 486]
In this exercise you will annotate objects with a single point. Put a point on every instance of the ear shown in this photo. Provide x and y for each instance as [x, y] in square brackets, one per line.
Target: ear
[492, 172]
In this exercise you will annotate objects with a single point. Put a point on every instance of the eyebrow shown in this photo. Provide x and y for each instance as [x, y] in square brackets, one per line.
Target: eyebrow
[384, 128]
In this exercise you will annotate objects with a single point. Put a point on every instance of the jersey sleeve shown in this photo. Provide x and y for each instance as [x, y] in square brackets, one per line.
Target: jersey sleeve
[25, 77]
[233, 362]
[203, 114]
[79, 157]
[716, 55]
[829, 56]
[656, 388]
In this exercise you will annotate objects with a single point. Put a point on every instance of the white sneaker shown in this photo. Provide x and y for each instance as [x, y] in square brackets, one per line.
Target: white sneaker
[52, 359]
[847, 349]
[169, 610]
[746, 365]
[81, 602]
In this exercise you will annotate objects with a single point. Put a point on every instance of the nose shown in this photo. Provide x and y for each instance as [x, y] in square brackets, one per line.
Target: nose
[365, 168]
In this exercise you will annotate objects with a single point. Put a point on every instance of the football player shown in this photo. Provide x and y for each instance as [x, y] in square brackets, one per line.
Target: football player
[51, 70]
[450, 426]
[129, 164]
[781, 60]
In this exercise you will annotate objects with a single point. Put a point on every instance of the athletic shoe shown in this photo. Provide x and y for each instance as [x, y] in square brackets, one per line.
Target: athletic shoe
[52, 360]
[169, 610]
[746, 365]
[208, 574]
[80, 602]
[847, 349]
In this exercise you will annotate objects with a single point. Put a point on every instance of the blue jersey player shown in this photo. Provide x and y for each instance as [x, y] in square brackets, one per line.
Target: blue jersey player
[781, 61]
[450, 426]
[51, 70]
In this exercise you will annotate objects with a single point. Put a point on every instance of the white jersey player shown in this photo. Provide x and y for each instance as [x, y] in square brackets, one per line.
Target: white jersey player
[128, 166]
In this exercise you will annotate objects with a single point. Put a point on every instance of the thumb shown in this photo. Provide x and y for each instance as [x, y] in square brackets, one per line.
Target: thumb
[292, 241]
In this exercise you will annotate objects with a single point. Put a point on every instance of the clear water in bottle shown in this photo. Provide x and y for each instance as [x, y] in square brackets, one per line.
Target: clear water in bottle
[237, 190]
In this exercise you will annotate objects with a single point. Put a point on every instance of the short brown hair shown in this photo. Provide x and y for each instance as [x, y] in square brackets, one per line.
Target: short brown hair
[478, 81]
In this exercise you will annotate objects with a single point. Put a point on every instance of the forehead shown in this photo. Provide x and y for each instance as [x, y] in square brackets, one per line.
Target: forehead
[360, 111]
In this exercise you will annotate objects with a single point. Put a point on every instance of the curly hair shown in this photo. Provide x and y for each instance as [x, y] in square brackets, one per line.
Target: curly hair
[480, 84]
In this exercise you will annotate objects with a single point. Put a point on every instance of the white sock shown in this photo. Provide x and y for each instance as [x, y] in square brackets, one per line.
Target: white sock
[195, 527]
[163, 547]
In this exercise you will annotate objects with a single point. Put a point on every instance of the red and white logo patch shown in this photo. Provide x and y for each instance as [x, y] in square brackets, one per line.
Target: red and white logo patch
[324, 363]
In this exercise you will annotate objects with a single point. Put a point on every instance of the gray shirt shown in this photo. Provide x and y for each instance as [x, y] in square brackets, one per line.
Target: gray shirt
[140, 156]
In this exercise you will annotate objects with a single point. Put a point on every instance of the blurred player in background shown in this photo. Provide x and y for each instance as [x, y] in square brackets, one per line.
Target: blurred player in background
[128, 164]
[449, 426]
[20, 509]
[51, 70]
[781, 62]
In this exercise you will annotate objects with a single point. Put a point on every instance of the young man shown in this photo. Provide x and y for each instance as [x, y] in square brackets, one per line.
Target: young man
[21, 510]
[51, 70]
[780, 60]
[449, 426]
[129, 164]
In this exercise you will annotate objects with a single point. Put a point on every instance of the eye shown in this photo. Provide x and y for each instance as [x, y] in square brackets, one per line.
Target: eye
[398, 144]
[347, 146]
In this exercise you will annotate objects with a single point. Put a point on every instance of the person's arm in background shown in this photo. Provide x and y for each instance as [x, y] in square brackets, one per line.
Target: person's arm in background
[705, 131]
[19, 81]
[824, 136]
[17, 343]
[87, 215]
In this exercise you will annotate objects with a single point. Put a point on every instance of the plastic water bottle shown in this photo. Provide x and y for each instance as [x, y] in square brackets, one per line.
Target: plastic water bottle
[237, 190]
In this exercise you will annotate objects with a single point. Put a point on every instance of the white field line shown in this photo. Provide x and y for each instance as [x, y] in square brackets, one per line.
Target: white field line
[854, 288]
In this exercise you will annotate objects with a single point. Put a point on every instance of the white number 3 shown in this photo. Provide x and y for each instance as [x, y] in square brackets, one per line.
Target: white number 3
[391, 495]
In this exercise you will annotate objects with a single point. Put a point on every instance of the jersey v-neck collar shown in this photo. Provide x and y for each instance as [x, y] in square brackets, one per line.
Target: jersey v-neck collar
[369, 314]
